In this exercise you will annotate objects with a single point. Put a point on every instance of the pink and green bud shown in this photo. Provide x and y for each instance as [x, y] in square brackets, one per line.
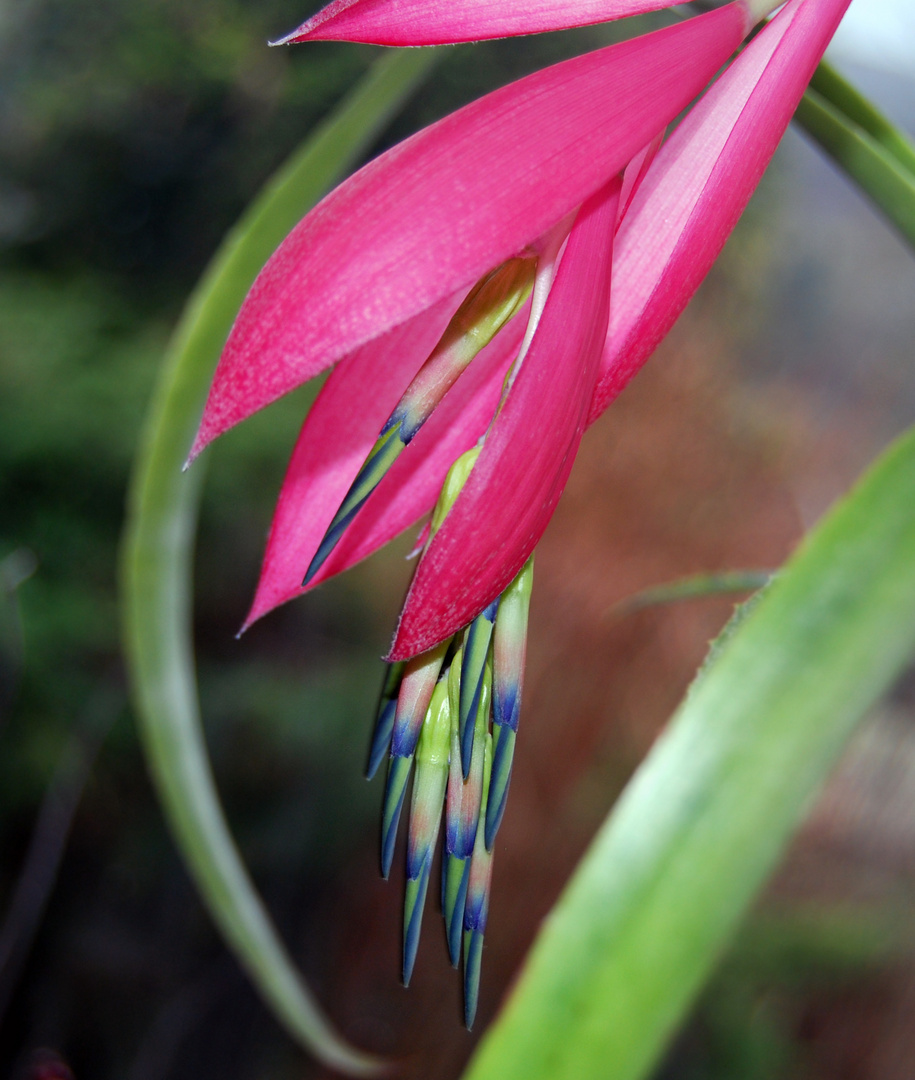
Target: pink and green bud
[488, 307]
[494, 300]
[476, 906]
[432, 755]
[384, 720]
[509, 647]
[455, 868]
[455, 777]
[416, 688]
[472, 787]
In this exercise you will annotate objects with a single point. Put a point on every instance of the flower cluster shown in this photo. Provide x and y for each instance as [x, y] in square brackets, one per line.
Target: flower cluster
[485, 289]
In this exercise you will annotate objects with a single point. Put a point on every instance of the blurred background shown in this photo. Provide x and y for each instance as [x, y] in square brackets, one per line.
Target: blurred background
[131, 137]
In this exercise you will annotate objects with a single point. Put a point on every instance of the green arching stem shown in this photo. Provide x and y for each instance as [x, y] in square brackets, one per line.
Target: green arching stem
[843, 97]
[158, 544]
[880, 173]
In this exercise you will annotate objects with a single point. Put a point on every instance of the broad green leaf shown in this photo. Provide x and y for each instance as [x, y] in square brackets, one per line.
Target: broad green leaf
[704, 820]
[879, 171]
[158, 542]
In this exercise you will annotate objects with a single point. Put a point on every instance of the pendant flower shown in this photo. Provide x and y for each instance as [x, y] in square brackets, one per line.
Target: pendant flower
[485, 290]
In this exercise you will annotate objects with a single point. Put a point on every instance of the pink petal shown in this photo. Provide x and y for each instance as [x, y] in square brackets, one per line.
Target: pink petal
[514, 487]
[438, 22]
[412, 486]
[338, 433]
[700, 183]
[637, 170]
[435, 213]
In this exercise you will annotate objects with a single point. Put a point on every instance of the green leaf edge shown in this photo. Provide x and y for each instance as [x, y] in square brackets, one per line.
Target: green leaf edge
[158, 540]
[849, 101]
[704, 820]
[880, 163]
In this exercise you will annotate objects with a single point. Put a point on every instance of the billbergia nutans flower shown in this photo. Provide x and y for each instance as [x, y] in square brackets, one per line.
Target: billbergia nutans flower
[485, 289]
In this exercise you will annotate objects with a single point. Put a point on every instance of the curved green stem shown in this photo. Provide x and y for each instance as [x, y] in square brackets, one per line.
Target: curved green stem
[865, 145]
[849, 101]
[158, 546]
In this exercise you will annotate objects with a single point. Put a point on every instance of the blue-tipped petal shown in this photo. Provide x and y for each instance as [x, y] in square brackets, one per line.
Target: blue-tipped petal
[384, 717]
[425, 814]
[473, 955]
[454, 795]
[395, 789]
[381, 738]
[509, 644]
[476, 904]
[475, 653]
[472, 791]
[456, 874]
[381, 457]
[503, 740]
[414, 903]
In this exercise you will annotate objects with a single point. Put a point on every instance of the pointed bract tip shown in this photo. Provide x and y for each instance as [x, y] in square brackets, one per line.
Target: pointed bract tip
[398, 775]
[414, 902]
[473, 954]
[473, 667]
[381, 738]
[500, 778]
[456, 877]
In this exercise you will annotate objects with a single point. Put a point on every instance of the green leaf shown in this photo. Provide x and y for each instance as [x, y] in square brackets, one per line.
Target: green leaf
[158, 543]
[849, 101]
[704, 820]
[883, 173]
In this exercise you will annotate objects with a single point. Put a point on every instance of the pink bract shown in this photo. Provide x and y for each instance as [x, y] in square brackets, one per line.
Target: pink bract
[434, 214]
[371, 277]
[700, 182]
[439, 22]
[513, 489]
